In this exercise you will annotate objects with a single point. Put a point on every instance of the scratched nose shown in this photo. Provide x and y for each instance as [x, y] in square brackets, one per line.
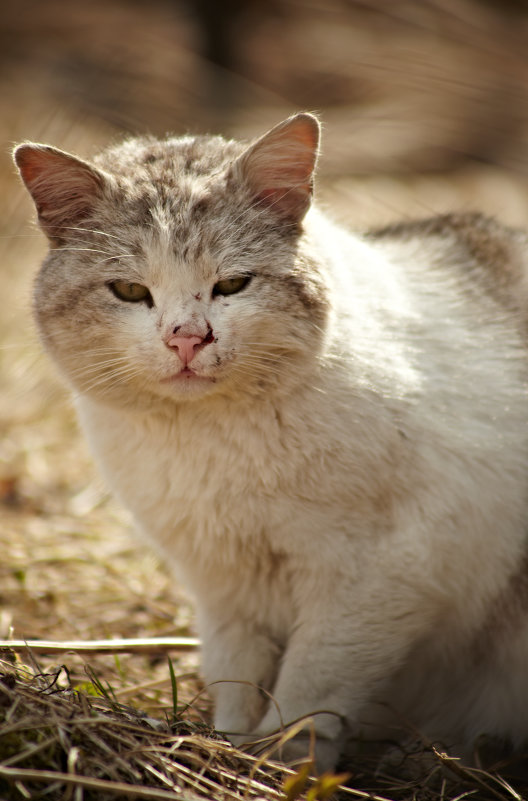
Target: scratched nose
[186, 347]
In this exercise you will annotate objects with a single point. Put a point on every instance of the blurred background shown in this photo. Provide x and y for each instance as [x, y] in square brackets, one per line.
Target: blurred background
[425, 110]
[403, 85]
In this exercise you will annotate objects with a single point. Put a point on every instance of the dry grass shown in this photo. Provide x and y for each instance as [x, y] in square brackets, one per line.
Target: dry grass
[69, 567]
[59, 740]
[86, 744]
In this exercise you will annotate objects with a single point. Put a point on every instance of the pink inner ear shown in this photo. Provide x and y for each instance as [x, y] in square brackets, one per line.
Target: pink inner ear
[27, 164]
[279, 166]
[63, 188]
[291, 203]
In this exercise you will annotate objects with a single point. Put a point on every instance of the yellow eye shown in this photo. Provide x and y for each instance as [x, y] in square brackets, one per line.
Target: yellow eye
[230, 286]
[131, 293]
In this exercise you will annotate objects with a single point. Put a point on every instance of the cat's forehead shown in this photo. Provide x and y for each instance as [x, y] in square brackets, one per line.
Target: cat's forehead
[175, 185]
[176, 246]
[175, 202]
[170, 160]
[188, 223]
[183, 231]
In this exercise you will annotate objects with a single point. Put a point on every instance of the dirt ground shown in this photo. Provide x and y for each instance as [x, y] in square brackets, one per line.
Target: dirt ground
[424, 111]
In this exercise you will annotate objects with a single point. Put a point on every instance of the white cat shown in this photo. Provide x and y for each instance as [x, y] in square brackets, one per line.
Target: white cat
[324, 435]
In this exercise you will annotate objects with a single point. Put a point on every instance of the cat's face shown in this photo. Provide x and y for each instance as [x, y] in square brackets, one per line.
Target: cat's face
[177, 269]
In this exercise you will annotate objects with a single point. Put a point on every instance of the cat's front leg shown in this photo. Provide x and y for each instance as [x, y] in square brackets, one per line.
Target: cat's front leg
[239, 663]
[347, 640]
[309, 688]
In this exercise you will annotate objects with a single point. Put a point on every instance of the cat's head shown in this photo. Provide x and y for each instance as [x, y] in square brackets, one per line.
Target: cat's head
[179, 268]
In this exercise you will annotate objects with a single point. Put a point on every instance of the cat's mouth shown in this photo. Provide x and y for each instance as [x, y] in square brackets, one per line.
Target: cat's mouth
[186, 374]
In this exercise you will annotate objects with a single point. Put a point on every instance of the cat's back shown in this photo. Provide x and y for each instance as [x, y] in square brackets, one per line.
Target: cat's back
[431, 319]
[475, 254]
[432, 309]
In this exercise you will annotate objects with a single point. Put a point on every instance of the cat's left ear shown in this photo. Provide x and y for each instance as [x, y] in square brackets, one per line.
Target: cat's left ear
[63, 187]
[279, 167]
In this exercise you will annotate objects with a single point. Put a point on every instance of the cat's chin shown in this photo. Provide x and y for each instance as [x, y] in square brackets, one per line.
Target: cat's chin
[188, 382]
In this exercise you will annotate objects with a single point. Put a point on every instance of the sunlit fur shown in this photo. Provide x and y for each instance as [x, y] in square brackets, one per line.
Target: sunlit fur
[343, 485]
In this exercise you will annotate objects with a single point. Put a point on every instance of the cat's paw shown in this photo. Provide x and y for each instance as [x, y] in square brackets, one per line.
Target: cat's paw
[291, 750]
[323, 753]
[317, 738]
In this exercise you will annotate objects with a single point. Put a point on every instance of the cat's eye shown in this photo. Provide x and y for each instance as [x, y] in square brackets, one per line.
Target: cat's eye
[131, 292]
[230, 286]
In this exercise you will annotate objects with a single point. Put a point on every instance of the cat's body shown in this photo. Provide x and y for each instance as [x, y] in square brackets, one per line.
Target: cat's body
[325, 436]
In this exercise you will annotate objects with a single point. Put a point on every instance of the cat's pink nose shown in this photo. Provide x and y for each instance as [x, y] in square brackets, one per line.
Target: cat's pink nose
[186, 347]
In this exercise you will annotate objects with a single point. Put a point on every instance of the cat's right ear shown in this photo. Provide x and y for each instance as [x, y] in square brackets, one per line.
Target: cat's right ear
[64, 188]
[278, 168]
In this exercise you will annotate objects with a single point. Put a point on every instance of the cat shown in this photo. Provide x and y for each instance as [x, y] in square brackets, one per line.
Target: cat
[324, 434]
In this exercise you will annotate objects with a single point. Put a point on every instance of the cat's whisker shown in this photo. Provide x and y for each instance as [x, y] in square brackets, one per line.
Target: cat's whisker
[258, 211]
[97, 368]
[272, 351]
[111, 378]
[250, 214]
[82, 246]
[266, 362]
[86, 247]
[79, 250]
[100, 364]
[246, 371]
[254, 371]
[90, 231]
[118, 256]
[257, 367]
[100, 375]
[271, 358]
[94, 233]
[98, 351]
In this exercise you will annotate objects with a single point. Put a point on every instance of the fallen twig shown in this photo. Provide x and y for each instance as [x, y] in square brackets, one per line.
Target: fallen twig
[149, 645]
